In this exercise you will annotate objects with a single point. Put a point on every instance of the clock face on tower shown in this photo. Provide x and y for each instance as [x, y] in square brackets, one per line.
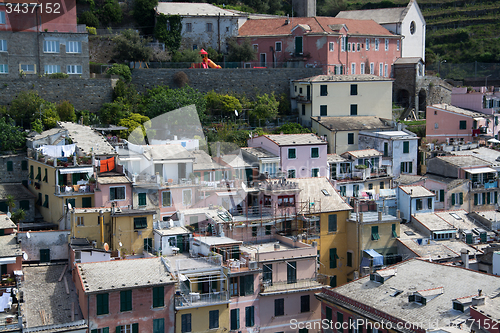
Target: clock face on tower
[412, 27]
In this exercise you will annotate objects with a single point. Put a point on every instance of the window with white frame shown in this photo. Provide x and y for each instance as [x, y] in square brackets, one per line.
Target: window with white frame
[377, 42]
[406, 167]
[372, 68]
[74, 47]
[358, 45]
[331, 46]
[2, 17]
[189, 27]
[27, 69]
[367, 45]
[380, 69]
[186, 197]
[277, 46]
[343, 45]
[51, 69]
[79, 220]
[166, 198]
[255, 47]
[386, 70]
[74, 69]
[4, 69]
[3, 45]
[348, 47]
[51, 46]
[353, 68]
[117, 193]
[362, 68]
[397, 45]
[387, 44]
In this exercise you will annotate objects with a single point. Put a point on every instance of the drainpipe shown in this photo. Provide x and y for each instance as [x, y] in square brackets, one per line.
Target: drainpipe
[218, 31]
[37, 37]
[101, 220]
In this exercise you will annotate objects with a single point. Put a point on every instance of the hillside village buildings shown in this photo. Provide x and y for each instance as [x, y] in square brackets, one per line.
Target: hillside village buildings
[359, 219]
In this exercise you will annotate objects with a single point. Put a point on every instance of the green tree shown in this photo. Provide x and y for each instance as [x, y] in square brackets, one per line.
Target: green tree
[129, 46]
[11, 137]
[219, 104]
[132, 122]
[112, 113]
[110, 12]
[50, 117]
[37, 125]
[66, 111]
[240, 52]
[168, 30]
[264, 107]
[122, 70]
[284, 106]
[186, 55]
[161, 99]
[87, 118]
[144, 14]
[18, 216]
[292, 128]
[26, 107]
[89, 19]
[11, 202]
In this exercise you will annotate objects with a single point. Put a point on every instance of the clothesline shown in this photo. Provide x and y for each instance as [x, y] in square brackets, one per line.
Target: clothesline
[58, 151]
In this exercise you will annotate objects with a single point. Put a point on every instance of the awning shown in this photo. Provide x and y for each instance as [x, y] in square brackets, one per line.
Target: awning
[387, 192]
[480, 170]
[494, 141]
[478, 118]
[7, 260]
[76, 170]
[378, 259]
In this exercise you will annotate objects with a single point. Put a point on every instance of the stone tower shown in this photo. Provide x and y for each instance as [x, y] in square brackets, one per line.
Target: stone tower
[304, 8]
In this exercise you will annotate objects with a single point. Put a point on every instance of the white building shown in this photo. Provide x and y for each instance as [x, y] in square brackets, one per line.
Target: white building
[400, 149]
[203, 25]
[414, 200]
[405, 21]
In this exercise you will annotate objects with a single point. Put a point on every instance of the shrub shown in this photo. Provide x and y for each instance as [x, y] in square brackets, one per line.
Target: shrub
[122, 70]
[129, 46]
[88, 18]
[186, 55]
[91, 31]
[66, 111]
[111, 12]
[58, 76]
[243, 52]
[181, 79]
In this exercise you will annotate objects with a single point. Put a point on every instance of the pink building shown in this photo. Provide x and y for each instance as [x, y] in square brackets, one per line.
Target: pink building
[339, 46]
[139, 297]
[115, 190]
[480, 99]
[449, 124]
[11, 255]
[300, 155]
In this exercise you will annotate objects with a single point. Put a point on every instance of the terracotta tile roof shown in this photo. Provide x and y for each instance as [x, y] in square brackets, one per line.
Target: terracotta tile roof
[278, 26]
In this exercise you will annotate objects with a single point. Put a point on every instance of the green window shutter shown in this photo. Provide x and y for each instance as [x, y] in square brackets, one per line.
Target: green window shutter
[329, 313]
[453, 199]
[105, 330]
[249, 316]
[10, 166]
[476, 198]
[218, 175]
[102, 304]
[142, 199]
[402, 166]
[332, 222]
[441, 195]
[125, 300]
[135, 328]
[86, 202]
[349, 259]
[118, 329]
[45, 177]
[24, 205]
[410, 167]
[406, 147]
[158, 298]
[298, 45]
[340, 319]
[333, 281]
[159, 325]
[488, 198]
[24, 165]
[93, 331]
[375, 235]
[235, 319]
[394, 233]
[333, 258]
[31, 172]
[291, 153]
[461, 198]
[39, 175]
[206, 176]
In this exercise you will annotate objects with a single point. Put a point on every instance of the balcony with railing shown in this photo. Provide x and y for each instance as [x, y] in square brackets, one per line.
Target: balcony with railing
[283, 286]
[193, 299]
[363, 174]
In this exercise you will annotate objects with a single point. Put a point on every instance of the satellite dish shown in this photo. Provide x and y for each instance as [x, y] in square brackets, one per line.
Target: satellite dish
[106, 246]
[28, 235]
[69, 206]
[25, 256]
[236, 113]
[9, 214]
[120, 244]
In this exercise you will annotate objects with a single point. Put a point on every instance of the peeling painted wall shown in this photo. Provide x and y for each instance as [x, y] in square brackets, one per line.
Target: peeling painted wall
[56, 241]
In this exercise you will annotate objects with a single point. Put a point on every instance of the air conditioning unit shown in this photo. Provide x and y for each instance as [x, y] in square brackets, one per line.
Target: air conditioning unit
[365, 271]
[252, 265]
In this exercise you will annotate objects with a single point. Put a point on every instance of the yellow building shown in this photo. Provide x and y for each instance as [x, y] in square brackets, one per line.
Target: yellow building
[373, 236]
[127, 230]
[56, 186]
[202, 294]
[328, 213]
[342, 96]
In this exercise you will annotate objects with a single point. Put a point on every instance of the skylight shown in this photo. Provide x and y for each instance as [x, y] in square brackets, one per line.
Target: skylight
[455, 216]
[325, 192]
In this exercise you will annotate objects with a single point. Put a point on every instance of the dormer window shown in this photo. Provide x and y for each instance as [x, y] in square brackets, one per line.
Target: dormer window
[426, 295]
[383, 275]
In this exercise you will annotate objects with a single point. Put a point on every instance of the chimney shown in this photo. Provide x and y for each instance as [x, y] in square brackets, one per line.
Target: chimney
[360, 217]
[478, 300]
[398, 214]
[464, 254]
[276, 246]
[380, 215]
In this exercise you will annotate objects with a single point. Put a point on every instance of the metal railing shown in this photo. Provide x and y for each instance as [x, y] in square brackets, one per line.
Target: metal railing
[197, 299]
[284, 285]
